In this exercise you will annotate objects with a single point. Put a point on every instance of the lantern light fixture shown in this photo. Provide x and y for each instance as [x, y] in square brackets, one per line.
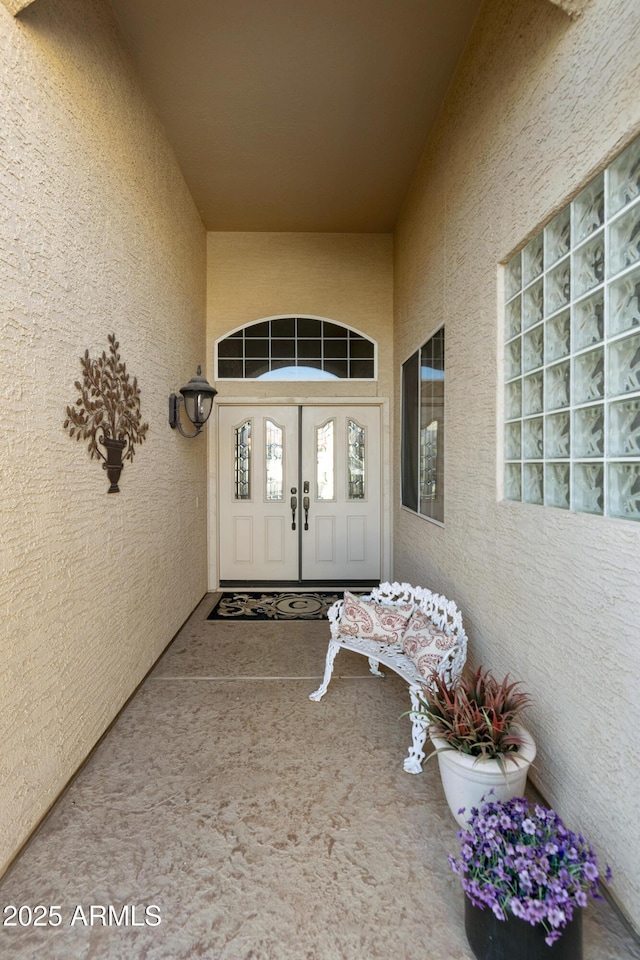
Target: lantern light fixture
[197, 397]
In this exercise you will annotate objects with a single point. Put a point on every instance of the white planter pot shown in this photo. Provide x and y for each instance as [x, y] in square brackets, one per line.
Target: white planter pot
[466, 780]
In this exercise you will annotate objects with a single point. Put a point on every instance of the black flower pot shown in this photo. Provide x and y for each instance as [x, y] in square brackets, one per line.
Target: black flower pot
[515, 939]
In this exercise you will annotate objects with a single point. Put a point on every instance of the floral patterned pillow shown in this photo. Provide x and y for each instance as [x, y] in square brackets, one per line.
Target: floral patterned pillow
[425, 643]
[384, 622]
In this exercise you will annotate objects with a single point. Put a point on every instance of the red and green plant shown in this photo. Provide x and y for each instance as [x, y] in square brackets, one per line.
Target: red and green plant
[478, 715]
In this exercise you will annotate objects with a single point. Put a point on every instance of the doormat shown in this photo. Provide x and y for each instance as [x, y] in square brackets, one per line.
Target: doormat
[274, 606]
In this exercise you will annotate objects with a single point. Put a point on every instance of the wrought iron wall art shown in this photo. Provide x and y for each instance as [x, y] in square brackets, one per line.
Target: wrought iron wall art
[107, 411]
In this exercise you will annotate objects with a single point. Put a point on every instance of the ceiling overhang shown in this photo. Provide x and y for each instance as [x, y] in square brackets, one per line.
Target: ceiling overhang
[297, 115]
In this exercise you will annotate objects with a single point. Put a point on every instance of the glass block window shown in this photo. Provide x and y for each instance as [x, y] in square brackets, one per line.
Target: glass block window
[295, 348]
[423, 429]
[572, 353]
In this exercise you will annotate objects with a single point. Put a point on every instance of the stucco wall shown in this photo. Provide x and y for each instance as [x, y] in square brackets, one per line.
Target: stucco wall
[98, 234]
[347, 278]
[540, 104]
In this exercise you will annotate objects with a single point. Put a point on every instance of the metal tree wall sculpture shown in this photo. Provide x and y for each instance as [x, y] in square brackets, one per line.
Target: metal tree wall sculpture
[109, 404]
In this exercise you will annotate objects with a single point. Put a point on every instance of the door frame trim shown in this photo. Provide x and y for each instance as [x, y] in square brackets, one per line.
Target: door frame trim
[386, 479]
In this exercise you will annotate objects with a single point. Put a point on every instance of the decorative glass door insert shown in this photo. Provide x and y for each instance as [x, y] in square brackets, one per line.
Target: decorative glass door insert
[356, 460]
[325, 481]
[274, 439]
[242, 461]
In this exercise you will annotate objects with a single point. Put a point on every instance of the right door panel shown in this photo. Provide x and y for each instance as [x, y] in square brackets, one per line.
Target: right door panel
[341, 489]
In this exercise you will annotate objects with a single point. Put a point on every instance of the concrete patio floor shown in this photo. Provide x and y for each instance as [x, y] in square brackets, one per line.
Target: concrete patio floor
[260, 825]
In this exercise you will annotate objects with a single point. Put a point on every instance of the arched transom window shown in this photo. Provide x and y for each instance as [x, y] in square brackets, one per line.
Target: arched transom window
[296, 348]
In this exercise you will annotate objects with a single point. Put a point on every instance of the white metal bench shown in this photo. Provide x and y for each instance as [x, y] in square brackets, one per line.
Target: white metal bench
[442, 612]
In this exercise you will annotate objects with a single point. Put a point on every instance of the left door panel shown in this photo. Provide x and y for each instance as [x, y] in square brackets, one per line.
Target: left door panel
[258, 470]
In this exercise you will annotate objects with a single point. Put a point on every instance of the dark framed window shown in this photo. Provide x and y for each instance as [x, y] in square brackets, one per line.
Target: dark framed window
[296, 348]
[422, 438]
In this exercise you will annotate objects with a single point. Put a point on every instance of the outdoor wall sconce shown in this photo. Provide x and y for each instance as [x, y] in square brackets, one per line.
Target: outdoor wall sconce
[197, 397]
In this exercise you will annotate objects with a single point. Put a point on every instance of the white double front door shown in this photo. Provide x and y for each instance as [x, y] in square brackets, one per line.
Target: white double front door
[299, 492]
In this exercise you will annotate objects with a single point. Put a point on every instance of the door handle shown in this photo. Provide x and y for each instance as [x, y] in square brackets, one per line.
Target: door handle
[294, 507]
[305, 504]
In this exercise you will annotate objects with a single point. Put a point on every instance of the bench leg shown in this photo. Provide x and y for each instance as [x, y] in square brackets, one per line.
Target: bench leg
[373, 666]
[413, 763]
[332, 650]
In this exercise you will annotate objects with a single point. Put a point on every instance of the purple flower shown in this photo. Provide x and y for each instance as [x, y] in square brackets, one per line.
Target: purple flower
[556, 917]
[590, 871]
[517, 908]
[525, 880]
[538, 874]
[498, 911]
[526, 863]
[536, 911]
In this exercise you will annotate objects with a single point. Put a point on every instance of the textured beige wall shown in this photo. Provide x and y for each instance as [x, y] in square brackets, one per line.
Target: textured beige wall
[347, 278]
[574, 8]
[15, 6]
[98, 234]
[540, 104]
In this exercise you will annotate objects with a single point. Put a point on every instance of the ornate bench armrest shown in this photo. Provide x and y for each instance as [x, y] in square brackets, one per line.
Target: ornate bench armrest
[334, 614]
